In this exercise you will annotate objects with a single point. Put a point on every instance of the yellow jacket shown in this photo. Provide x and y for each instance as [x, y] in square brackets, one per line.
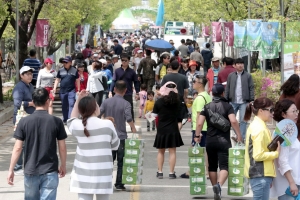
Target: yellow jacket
[149, 106]
[259, 161]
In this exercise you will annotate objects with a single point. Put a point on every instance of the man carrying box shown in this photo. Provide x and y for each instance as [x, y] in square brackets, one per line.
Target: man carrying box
[112, 108]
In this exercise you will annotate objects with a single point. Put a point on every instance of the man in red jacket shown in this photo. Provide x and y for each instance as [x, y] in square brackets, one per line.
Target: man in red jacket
[228, 68]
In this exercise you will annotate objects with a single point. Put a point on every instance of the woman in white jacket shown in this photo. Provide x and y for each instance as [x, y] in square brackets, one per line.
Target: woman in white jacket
[94, 84]
[287, 164]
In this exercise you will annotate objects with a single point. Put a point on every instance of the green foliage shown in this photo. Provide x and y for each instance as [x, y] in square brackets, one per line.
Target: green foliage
[8, 95]
[268, 86]
[144, 27]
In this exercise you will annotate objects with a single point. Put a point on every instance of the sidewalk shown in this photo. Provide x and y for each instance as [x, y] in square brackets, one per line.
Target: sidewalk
[151, 188]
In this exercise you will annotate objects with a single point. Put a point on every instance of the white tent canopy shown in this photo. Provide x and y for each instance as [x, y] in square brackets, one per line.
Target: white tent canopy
[125, 20]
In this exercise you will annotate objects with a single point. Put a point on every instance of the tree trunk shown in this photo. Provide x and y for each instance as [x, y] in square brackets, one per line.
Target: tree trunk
[52, 49]
[91, 36]
[275, 65]
[1, 91]
[23, 49]
[254, 59]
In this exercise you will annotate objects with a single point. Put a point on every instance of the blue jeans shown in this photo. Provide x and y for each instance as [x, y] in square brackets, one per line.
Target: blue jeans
[287, 197]
[41, 187]
[261, 187]
[67, 101]
[241, 107]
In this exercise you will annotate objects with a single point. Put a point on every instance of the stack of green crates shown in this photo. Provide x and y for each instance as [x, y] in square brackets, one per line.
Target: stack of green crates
[133, 162]
[197, 170]
[238, 185]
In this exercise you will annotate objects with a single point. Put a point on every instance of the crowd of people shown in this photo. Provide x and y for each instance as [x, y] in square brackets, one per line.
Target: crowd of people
[97, 87]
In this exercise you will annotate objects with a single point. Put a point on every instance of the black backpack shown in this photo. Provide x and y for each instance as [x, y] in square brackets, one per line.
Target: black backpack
[104, 82]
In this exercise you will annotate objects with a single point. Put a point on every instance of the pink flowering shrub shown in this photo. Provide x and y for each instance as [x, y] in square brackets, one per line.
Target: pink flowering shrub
[268, 86]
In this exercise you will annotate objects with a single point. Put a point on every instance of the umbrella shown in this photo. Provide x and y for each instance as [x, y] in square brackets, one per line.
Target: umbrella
[159, 45]
[160, 13]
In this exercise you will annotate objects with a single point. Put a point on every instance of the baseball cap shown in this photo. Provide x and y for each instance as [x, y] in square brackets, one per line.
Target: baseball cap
[215, 59]
[48, 60]
[25, 69]
[217, 89]
[103, 61]
[67, 59]
[115, 56]
[193, 63]
[140, 51]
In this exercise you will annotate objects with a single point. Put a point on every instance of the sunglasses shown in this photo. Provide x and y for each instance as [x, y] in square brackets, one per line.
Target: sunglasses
[124, 60]
[271, 110]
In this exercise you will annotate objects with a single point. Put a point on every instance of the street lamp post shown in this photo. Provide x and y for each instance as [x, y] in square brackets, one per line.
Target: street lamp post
[17, 41]
[282, 42]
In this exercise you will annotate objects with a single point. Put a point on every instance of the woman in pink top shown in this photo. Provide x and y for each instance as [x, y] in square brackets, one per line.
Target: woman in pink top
[143, 99]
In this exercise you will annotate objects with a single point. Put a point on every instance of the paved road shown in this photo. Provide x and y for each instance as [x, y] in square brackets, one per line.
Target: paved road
[151, 188]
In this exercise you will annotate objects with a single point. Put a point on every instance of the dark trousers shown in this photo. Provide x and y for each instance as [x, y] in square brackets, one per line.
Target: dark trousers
[149, 83]
[129, 99]
[119, 155]
[99, 97]
[153, 124]
[67, 101]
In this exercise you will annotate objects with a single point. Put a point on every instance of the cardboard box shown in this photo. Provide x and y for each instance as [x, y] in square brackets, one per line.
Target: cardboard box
[236, 172]
[134, 153]
[236, 162]
[238, 181]
[197, 161]
[134, 144]
[197, 170]
[131, 179]
[237, 153]
[237, 191]
[134, 162]
[197, 180]
[196, 152]
[130, 170]
[198, 189]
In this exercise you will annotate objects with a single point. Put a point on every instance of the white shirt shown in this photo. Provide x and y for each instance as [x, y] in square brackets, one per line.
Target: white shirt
[93, 84]
[45, 78]
[137, 61]
[289, 159]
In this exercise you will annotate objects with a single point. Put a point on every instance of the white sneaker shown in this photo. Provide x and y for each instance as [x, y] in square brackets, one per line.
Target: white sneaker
[19, 172]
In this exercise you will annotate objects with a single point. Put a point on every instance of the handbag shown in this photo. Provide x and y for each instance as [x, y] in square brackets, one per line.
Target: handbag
[217, 120]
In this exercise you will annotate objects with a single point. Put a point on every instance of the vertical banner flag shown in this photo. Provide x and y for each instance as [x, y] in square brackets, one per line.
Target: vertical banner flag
[240, 31]
[228, 28]
[80, 30]
[42, 28]
[254, 34]
[85, 36]
[205, 31]
[216, 31]
[270, 40]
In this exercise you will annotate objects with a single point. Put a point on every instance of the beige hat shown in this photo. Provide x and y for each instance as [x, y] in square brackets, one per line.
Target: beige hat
[215, 59]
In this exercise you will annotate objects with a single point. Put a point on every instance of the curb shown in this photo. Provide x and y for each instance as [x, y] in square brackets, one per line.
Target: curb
[6, 114]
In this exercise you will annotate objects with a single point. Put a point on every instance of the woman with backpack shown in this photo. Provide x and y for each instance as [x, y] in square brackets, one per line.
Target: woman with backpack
[217, 140]
[95, 82]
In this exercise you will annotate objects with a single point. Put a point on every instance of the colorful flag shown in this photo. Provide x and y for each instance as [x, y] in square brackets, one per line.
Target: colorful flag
[205, 31]
[253, 34]
[42, 28]
[240, 31]
[80, 30]
[270, 40]
[228, 28]
[216, 31]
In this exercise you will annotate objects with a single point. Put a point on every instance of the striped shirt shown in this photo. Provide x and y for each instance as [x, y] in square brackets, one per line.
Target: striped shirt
[33, 63]
[93, 164]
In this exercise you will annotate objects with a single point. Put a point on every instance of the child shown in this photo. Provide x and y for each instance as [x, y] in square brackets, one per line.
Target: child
[149, 107]
[143, 98]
